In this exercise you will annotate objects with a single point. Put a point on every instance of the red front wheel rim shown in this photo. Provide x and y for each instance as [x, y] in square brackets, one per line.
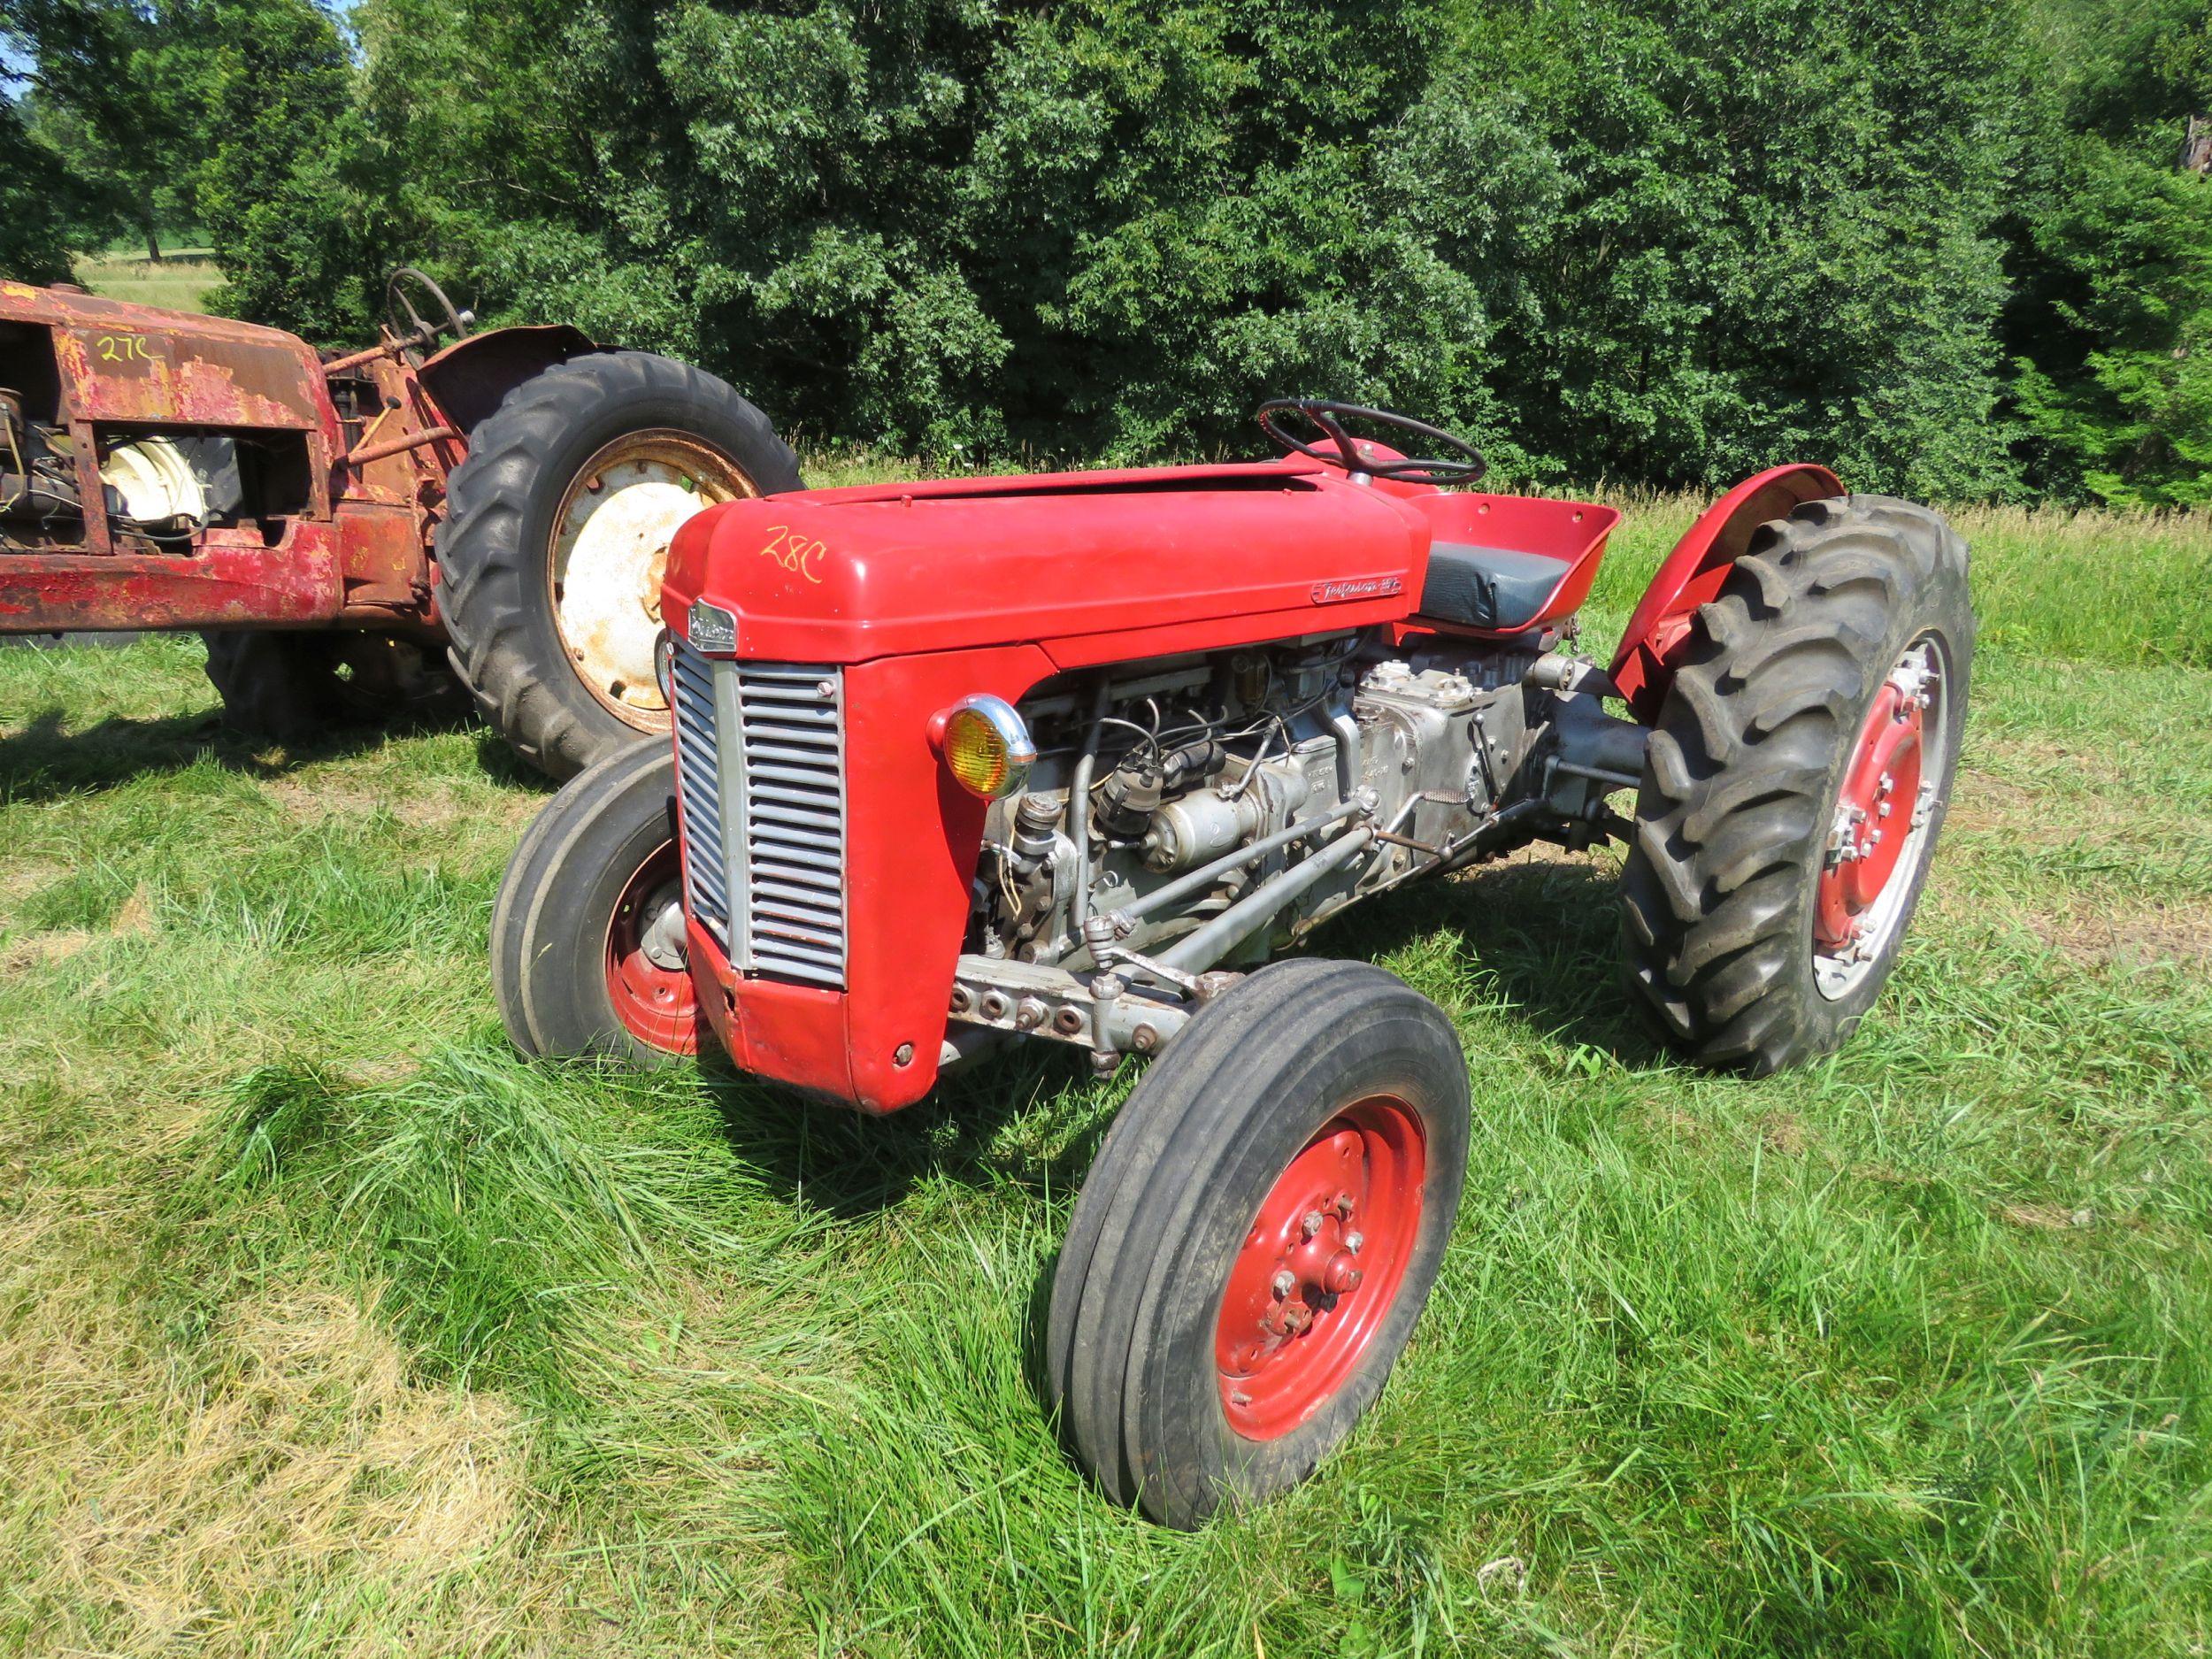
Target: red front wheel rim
[652, 998]
[1320, 1267]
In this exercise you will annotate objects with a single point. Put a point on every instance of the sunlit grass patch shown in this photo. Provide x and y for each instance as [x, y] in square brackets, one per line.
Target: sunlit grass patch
[180, 282]
[328, 1324]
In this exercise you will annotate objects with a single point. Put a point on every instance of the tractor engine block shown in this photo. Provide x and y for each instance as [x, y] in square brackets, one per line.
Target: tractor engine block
[1178, 762]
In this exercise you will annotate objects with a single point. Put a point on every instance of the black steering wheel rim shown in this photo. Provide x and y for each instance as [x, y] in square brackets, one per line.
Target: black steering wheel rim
[1326, 416]
[411, 325]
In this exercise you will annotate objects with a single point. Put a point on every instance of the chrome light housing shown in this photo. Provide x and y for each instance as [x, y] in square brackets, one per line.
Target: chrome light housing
[986, 746]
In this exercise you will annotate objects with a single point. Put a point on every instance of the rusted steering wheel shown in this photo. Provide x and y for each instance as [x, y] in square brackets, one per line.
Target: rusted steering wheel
[408, 322]
[1327, 419]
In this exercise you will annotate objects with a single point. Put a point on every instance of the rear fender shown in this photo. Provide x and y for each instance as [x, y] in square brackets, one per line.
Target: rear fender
[1659, 634]
[468, 379]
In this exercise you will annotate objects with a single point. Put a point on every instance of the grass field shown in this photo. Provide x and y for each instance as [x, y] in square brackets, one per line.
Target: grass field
[179, 282]
[327, 1327]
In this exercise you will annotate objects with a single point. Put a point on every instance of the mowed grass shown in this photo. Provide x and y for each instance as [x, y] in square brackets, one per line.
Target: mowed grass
[328, 1326]
[180, 282]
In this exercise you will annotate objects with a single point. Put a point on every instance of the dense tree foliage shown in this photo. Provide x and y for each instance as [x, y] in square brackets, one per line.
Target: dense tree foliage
[1943, 244]
[2111, 316]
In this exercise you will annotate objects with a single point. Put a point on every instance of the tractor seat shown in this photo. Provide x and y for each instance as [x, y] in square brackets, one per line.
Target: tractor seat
[1490, 588]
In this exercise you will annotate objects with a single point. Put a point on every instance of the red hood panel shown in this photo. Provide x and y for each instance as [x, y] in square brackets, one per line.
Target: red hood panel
[845, 576]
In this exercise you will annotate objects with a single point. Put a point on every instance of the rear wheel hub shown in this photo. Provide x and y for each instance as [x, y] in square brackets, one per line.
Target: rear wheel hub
[610, 551]
[1878, 838]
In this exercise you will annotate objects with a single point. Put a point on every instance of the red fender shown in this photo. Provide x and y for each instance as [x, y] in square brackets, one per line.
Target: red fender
[1650, 651]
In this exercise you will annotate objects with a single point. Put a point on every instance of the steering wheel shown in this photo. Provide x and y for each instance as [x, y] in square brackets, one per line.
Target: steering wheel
[409, 323]
[1326, 417]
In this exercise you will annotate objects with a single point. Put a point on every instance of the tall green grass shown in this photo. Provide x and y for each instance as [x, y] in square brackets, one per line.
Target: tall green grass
[328, 1324]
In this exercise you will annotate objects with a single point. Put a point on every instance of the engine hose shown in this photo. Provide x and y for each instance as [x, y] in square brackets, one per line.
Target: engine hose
[1079, 816]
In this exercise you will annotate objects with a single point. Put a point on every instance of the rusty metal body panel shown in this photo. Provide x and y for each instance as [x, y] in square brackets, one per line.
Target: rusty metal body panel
[381, 433]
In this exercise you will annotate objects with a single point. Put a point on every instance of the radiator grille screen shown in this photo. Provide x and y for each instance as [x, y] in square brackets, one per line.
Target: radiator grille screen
[760, 757]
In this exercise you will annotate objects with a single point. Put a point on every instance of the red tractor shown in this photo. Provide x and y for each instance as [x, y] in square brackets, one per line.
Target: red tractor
[336, 528]
[1068, 757]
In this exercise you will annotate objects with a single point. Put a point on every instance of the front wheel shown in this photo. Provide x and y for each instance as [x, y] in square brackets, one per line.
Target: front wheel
[1257, 1237]
[551, 563]
[1795, 783]
[589, 955]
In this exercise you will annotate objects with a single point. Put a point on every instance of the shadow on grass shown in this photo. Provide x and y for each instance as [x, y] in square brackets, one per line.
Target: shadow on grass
[46, 762]
[849, 1163]
[1544, 935]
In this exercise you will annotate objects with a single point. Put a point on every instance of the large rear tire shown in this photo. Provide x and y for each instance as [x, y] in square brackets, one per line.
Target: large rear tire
[1257, 1237]
[587, 933]
[551, 558]
[1795, 783]
[291, 686]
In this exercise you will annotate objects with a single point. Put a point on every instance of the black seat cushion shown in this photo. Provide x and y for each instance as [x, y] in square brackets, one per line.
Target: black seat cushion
[1487, 587]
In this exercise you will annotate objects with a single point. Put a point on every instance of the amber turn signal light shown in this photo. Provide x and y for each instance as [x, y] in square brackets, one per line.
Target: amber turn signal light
[986, 746]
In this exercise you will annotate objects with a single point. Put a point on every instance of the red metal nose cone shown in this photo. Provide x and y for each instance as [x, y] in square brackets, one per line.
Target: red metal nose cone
[1342, 1274]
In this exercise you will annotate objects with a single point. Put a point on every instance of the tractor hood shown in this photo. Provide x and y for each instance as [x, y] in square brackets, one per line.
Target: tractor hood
[1094, 566]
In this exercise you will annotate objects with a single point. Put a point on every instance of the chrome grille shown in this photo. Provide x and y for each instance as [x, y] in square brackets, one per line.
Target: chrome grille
[792, 720]
[698, 768]
[769, 887]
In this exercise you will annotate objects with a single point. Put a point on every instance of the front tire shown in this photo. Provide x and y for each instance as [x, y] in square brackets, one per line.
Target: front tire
[587, 933]
[1257, 1237]
[551, 560]
[1795, 783]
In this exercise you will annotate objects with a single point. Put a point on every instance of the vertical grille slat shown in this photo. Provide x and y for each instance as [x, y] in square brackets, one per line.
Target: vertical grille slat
[698, 769]
[760, 754]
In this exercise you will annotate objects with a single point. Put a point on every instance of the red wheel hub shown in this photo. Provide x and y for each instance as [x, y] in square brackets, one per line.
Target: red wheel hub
[1874, 814]
[652, 998]
[1320, 1267]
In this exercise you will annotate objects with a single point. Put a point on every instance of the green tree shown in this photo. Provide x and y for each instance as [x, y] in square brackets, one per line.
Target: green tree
[292, 214]
[46, 214]
[120, 94]
[2111, 315]
[1666, 241]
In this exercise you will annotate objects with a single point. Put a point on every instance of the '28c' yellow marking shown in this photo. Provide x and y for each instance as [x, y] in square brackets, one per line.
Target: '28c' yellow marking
[794, 553]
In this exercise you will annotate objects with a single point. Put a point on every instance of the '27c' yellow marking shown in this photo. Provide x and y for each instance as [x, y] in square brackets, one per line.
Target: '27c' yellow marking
[794, 553]
[123, 348]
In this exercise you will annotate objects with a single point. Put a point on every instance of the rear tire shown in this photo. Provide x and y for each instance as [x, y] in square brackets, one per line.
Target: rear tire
[282, 687]
[1762, 911]
[550, 588]
[1178, 1381]
[290, 686]
[587, 954]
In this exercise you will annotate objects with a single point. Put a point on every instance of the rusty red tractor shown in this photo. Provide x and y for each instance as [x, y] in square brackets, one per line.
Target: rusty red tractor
[343, 530]
[1068, 757]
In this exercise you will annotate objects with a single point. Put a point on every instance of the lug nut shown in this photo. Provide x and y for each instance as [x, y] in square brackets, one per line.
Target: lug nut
[1285, 1282]
[1311, 1225]
[1343, 1206]
[1144, 1040]
[1296, 1317]
[1030, 1014]
[903, 1055]
[1352, 1242]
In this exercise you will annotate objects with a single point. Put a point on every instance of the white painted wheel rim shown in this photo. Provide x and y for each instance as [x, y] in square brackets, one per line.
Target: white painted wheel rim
[610, 551]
